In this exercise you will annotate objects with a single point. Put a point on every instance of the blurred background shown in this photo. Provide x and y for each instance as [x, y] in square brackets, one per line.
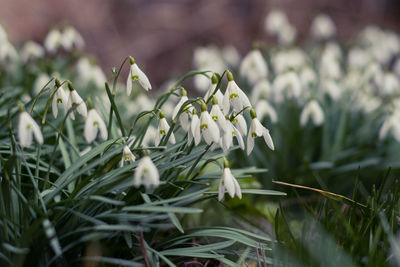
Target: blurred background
[162, 34]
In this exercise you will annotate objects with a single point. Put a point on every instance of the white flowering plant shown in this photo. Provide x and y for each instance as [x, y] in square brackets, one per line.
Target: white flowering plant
[98, 182]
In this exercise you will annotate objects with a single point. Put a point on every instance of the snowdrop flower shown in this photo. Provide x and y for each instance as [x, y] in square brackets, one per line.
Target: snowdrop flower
[240, 124]
[358, 58]
[263, 108]
[146, 173]
[228, 183]
[322, 27]
[41, 80]
[227, 137]
[162, 131]
[136, 74]
[127, 155]
[185, 115]
[392, 125]
[71, 38]
[194, 132]
[208, 128]
[217, 94]
[8, 53]
[75, 100]
[94, 124]
[60, 97]
[257, 130]
[275, 21]
[287, 84]
[287, 35]
[308, 77]
[27, 127]
[231, 55]
[313, 111]
[390, 85]
[253, 67]
[262, 89]
[332, 88]
[217, 115]
[234, 96]
[31, 50]
[52, 41]
[286, 60]
[150, 136]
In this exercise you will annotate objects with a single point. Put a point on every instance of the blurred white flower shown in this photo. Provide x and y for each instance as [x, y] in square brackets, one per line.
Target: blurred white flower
[27, 128]
[146, 174]
[287, 35]
[308, 77]
[264, 109]
[391, 125]
[94, 124]
[162, 131]
[228, 184]
[8, 54]
[41, 80]
[253, 67]
[312, 111]
[275, 21]
[71, 39]
[286, 85]
[3, 35]
[257, 130]
[231, 56]
[53, 41]
[322, 27]
[286, 60]
[31, 50]
[332, 88]
[390, 84]
[358, 58]
[88, 73]
[262, 89]
[234, 96]
[136, 74]
[149, 136]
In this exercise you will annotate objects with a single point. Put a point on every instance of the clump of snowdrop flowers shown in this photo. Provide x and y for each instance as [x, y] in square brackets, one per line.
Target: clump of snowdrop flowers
[60, 97]
[234, 96]
[75, 100]
[27, 129]
[162, 131]
[93, 125]
[312, 111]
[136, 74]
[257, 130]
[322, 27]
[253, 67]
[146, 174]
[208, 127]
[228, 183]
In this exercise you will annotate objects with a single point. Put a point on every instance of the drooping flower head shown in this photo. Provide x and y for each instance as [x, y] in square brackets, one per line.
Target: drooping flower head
[146, 174]
[136, 74]
[208, 128]
[257, 130]
[60, 97]
[234, 96]
[162, 131]
[27, 129]
[75, 100]
[185, 115]
[312, 111]
[127, 155]
[228, 183]
[94, 124]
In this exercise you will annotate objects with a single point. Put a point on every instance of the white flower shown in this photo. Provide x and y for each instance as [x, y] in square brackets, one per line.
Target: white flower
[27, 127]
[75, 100]
[287, 34]
[41, 80]
[127, 155]
[227, 137]
[323, 27]
[208, 128]
[391, 124]
[135, 74]
[194, 132]
[241, 124]
[217, 115]
[185, 115]
[94, 123]
[231, 55]
[228, 183]
[308, 77]
[263, 108]
[52, 41]
[60, 97]
[162, 130]
[31, 50]
[234, 96]
[71, 38]
[146, 173]
[254, 67]
[287, 84]
[313, 111]
[257, 130]
[390, 85]
[262, 89]
[8, 54]
[332, 88]
[275, 21]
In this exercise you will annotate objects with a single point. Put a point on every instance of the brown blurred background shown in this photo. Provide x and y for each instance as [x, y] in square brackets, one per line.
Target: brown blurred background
[162, 34]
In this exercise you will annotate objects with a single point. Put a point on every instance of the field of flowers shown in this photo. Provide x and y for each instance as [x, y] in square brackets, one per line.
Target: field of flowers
[287, 156]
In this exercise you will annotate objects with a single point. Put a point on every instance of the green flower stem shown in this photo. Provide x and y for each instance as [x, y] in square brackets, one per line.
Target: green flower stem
[114, 107]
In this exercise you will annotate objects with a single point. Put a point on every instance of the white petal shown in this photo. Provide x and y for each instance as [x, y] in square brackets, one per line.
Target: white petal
[221, 190]
[37, 132]
[129, 83]
[226, 103]
[54, 106]
[268, 139]
[250, 143]
[239, 137]
[228, 182]
[238, 191]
